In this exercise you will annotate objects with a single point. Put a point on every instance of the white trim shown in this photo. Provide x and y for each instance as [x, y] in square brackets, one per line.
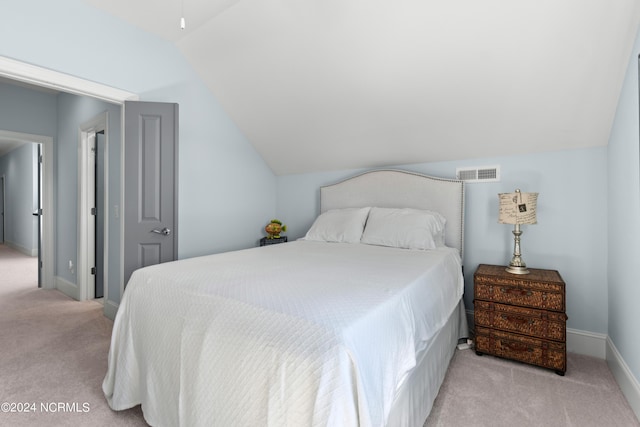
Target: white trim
[32, 74]
[21, 249]
[66, 287]
[119, 215]
[624, 377]
[105, 202]
[122, 206]
[84, 234]
[586, 343]
[86, 229]
[48, 215]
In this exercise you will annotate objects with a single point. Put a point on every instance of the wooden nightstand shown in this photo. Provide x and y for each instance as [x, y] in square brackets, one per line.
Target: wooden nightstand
[521, 317]
[264, 241]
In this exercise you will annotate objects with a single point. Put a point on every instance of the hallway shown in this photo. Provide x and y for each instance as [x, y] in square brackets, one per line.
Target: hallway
[18, 272]
[54, 351]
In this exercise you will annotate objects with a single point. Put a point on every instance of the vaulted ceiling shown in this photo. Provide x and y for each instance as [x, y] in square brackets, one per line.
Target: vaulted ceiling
[331, 84]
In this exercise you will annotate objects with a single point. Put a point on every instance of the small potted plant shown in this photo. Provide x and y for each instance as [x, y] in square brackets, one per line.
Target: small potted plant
[274, 228]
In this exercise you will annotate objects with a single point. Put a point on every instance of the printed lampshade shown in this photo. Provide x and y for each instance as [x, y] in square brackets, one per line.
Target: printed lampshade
[518, 208]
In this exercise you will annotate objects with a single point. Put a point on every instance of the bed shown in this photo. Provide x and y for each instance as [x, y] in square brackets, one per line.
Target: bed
[337, 329]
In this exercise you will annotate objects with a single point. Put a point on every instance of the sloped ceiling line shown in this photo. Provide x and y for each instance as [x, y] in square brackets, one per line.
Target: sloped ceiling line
[324, 85]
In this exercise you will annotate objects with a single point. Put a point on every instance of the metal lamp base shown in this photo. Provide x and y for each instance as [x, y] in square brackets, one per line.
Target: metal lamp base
[517, 269]
[517, 265]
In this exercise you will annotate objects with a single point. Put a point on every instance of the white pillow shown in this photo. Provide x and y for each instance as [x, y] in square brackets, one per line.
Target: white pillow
[339, 225]
[404, 228]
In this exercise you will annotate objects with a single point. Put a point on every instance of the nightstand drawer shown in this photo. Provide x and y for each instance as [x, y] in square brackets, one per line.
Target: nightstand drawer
[542, 289]
[528, 321]
[522, 294]
[548, 354]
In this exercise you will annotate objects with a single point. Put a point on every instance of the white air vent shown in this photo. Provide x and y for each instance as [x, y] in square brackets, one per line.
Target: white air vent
[479, 174]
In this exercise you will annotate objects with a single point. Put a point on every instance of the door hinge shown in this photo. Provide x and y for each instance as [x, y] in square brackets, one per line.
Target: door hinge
[93, 271]
[93, 211]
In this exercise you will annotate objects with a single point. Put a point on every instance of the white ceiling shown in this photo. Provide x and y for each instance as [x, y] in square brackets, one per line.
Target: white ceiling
[331, 84]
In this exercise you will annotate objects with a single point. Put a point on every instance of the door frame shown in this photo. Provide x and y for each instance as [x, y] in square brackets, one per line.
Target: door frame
[40, 76]
[48, 212]
[86, 224]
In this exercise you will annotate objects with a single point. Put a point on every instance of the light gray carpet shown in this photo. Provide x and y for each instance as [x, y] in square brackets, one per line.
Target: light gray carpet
[488, 391]
[53, 350]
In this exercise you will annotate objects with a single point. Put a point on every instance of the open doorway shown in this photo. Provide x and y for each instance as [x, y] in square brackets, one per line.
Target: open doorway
[46, 78]
[93, 198]
[26, 183]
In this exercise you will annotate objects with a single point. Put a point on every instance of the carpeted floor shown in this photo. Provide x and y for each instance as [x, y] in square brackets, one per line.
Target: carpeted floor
[488, 391]
[53, 353]
[53, 357]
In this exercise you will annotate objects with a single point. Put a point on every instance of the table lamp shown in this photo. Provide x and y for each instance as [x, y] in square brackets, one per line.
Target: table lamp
[517, 208]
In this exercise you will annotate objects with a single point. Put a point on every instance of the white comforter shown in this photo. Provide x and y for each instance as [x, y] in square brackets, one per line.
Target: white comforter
[296, 334]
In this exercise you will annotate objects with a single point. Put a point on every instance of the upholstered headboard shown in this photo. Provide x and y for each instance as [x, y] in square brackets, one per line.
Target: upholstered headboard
[401, 189]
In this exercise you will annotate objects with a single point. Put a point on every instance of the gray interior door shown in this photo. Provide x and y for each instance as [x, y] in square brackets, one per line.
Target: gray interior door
[151, 184]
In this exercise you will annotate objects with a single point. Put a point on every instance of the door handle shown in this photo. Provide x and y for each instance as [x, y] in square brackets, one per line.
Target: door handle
[165, 231]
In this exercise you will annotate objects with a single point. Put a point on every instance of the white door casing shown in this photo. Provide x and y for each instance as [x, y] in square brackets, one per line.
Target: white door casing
[86, 200]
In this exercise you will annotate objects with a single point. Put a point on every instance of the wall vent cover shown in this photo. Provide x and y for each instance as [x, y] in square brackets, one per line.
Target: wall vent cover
[479, 174]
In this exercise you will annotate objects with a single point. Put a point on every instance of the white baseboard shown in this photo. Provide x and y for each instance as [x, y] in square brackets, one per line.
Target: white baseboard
[623, 375]
[67, 288]
[110, 309]
[21, 249]
[72, 290]
[586, 343]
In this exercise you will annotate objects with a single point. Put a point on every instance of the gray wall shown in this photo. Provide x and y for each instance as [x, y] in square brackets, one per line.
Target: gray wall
[27, 111]
[21, 198]
[624, 221]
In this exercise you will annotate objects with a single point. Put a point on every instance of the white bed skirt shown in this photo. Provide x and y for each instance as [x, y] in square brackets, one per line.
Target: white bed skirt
[415, 399]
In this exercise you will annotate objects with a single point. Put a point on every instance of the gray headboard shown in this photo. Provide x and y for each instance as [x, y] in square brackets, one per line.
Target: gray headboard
[401, 189]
